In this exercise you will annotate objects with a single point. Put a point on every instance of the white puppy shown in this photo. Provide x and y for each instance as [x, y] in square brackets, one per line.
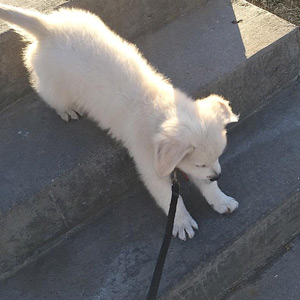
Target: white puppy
[79, 66]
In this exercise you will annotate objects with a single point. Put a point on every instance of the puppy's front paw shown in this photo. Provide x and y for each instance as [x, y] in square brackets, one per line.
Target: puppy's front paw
[226, 205]
[184, 226]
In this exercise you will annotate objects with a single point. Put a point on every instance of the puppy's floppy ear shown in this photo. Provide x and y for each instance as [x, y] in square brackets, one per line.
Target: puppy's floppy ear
[223, 109]
[168, 153]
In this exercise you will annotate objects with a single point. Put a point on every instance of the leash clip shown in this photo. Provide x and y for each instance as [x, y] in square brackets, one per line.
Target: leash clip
[174, 177]
[175, 183]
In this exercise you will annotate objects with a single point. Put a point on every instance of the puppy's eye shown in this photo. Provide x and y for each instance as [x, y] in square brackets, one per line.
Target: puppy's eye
[200, 166]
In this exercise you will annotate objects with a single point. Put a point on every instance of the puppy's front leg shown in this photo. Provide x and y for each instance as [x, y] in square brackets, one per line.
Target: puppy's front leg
[215, 197]
[160, 188]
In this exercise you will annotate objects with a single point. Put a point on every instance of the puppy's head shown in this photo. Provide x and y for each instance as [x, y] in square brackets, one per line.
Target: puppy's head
[194, 139]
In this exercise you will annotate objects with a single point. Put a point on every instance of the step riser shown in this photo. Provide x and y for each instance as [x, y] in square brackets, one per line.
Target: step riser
[132, 18]
[13, 75]
[263, 75]
[70, 200]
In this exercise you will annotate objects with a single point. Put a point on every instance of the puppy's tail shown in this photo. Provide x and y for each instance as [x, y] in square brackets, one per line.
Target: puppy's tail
[31, 21]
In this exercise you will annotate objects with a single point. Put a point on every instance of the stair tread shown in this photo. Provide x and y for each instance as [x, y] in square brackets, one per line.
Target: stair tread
[114, 257]
[52, 172]
[39, 147]
[186, 60]
[197, 50]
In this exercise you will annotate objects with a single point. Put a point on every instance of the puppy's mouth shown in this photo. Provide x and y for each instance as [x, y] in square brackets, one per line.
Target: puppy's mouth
[215, 178]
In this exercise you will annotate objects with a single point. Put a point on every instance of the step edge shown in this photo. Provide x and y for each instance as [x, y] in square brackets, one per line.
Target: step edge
[287, 211]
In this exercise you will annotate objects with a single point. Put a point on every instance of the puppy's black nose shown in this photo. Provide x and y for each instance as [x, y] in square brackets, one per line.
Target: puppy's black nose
[216, 177]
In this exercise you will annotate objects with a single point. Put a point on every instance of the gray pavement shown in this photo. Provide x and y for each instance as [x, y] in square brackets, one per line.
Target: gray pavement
[57, 175]
[54, 165]
[279, 280]
[113, 258]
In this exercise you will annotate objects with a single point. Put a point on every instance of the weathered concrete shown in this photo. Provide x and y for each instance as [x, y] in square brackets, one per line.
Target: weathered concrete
[206, 53]
[40, 148]
[13, 77]
[53, 177]
[127, 17]
[278, 280]
[114, 257]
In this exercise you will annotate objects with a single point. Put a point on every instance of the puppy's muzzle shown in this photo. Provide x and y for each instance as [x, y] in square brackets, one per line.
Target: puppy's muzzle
[215, 177]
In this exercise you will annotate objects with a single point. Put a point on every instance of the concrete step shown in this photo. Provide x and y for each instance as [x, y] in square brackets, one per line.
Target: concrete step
[55, 176]
[127, 18]
[114, 257]
[278, 280]
[202, 52]
[13, 77]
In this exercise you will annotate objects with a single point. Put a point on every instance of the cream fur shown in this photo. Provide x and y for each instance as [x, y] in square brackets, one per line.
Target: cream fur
[79, 66]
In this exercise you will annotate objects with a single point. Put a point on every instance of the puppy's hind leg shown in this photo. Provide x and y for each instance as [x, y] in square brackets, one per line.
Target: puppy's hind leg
[68, 114]
[56, 94]
[59, 101]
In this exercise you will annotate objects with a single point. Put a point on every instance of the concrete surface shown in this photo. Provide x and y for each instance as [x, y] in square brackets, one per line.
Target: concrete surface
[44, 6]
[201, 52]
[114, 257]
[128, 18]
[277, 281]
[53, 176]
[13, 76]
[206, 53]
[49, 168]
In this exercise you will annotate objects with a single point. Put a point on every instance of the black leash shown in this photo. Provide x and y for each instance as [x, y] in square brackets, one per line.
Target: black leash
[152, 293]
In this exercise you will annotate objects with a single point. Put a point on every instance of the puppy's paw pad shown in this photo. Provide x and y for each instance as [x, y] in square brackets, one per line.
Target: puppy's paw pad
[228, 205]
[184, 226]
